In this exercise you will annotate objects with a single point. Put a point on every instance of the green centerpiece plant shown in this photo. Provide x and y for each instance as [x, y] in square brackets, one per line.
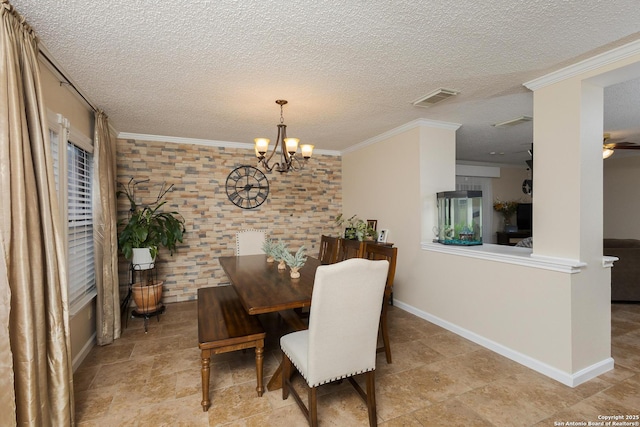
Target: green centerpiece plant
[296, 261]
[269, 248]
[278, 252]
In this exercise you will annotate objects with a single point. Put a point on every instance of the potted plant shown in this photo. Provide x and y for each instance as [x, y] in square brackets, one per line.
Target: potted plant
[296, 262]
[145, 229]
[278, 252]
[356, 228]
[506, 209]
[149, 227]
[269, 247]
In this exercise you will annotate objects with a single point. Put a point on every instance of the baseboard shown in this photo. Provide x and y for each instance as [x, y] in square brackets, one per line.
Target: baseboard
[566, 378]
[77, 361]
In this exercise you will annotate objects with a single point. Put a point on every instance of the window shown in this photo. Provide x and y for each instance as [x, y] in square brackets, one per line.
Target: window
[82, 279]
[73, 170]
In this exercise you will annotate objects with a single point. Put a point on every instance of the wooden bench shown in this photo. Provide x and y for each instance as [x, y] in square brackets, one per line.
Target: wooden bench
[224, 326]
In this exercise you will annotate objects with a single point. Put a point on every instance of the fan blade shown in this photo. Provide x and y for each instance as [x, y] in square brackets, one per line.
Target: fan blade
[627, 147]
[623, 145]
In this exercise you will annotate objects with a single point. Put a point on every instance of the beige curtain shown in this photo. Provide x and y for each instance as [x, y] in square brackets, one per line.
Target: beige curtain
[105, 233]
[36, 385]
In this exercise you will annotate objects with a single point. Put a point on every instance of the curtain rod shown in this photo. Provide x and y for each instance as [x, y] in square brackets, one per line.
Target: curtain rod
[64, 76]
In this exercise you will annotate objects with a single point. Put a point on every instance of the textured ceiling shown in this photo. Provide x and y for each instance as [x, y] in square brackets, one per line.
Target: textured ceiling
[350, 70]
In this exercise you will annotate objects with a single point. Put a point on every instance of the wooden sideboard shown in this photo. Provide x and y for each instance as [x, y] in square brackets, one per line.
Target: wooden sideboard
[513, 237]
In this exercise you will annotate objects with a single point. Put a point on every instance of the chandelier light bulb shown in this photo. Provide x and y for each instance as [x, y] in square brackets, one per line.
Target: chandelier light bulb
[262, 146]
[307, 150]
[292, 145]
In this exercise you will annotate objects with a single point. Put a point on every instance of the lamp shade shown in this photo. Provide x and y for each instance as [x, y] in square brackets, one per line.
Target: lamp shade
[606, 153]
[307, 150]
[292, 144]
[262, 146]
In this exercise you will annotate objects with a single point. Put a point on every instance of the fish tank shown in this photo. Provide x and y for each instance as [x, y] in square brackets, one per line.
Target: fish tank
[459, 218]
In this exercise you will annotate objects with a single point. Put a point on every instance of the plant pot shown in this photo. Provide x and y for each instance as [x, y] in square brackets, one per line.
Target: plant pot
[295, 274]
[270, 259]
[350, 233]
[147, 297]
[142, 259]
[282, 265]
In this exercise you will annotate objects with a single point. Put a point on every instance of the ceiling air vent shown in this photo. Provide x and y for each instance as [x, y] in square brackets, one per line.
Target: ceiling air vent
[513, 122]
[436, 96]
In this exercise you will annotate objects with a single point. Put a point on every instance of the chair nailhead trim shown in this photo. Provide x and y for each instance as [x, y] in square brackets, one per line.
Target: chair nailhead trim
[329, 380]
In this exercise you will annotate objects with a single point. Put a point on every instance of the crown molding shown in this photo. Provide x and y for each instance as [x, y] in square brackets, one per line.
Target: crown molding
[401, 129]
[205, 142]
[606, 58]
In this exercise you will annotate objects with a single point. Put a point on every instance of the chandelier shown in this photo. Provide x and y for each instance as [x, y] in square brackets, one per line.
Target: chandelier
[289, 161]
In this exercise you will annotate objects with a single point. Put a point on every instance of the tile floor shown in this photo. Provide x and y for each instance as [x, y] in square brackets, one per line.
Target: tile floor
[437, 379]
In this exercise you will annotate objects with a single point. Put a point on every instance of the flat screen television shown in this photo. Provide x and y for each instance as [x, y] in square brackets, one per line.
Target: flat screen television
[524, 216]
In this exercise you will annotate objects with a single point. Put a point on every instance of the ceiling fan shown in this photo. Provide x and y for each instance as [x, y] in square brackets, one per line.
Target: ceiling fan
[609, 147]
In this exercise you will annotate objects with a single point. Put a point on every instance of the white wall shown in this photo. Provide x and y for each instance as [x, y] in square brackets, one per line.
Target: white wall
[509, 185]
[377, 185]
[59, 99]
[621, 197]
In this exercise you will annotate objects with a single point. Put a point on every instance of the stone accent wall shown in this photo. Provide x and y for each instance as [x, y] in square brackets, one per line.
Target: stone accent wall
[300, 207]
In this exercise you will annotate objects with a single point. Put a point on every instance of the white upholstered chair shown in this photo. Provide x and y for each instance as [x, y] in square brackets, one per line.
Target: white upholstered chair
[249, 242]
[343, 330]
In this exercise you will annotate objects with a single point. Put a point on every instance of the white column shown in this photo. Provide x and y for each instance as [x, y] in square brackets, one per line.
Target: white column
[437, 170]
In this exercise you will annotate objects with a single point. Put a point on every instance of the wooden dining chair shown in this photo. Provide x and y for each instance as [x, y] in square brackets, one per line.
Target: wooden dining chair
[350, 249]
[249, 242]
[342, 336]
[374, 251]
[329, 247]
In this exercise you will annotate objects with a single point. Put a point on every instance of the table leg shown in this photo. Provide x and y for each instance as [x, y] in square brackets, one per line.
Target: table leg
[205, 358]
[259, 363]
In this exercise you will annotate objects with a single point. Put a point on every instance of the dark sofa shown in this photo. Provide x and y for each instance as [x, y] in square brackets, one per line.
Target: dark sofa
[625, 274]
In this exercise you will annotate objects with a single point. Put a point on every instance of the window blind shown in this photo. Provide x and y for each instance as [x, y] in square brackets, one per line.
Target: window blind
[80, 223]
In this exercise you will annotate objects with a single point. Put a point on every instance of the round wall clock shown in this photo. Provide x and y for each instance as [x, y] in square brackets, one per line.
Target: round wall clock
[527, 187]
[247, 187]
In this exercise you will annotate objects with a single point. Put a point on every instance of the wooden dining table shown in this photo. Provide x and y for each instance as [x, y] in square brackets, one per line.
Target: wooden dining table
[263, 288]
